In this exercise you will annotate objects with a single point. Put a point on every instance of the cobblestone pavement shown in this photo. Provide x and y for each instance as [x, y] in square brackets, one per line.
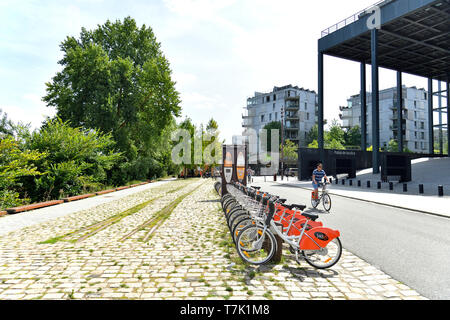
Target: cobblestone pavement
[169, 242]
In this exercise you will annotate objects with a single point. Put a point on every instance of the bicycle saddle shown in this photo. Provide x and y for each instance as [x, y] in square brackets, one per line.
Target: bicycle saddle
[313, 217]
[257, 188]
[281, 200]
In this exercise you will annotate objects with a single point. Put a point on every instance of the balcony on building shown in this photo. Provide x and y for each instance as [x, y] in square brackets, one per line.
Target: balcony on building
[292, 103]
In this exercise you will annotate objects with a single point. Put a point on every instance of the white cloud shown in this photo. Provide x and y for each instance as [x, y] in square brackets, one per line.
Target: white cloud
[33, 111]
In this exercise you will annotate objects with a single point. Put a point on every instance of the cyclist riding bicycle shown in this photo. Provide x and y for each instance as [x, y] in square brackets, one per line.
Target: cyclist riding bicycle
[317, 177]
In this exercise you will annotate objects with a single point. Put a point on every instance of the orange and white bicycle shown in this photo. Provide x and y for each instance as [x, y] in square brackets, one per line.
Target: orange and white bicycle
[319, 246]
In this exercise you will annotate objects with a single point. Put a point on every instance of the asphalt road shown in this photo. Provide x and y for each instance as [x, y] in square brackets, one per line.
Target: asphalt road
[411, 247]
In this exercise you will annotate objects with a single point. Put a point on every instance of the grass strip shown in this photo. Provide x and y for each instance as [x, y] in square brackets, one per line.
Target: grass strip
[157, 219]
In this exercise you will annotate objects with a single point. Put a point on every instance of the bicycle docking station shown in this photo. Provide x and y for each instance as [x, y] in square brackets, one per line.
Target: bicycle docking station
[234, 170]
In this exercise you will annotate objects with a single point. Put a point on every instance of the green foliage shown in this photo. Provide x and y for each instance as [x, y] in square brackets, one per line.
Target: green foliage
[352, 137]
[15, 164]
[115, 79]
[334, 138]
[290, 151]
[6, 125]
[335, 135]
[313, 135]
[77, 161]
[314, 144]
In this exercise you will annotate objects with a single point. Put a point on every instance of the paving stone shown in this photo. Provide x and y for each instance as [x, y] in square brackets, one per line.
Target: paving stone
[184, 259]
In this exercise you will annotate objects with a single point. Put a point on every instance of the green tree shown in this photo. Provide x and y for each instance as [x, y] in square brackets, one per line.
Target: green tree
[290, 151]
[116, 79]
[312, 135]
[6, 125]
[212, 143]
[352, 137]
[335, 133]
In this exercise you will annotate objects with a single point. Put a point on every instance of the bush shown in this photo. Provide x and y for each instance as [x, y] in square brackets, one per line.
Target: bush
[77, 160]
[15, 164]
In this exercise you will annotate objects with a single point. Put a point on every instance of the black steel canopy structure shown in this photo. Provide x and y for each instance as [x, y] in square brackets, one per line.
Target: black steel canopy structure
[413, 37]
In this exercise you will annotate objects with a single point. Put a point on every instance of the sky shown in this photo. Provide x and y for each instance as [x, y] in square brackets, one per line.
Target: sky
[220, 51]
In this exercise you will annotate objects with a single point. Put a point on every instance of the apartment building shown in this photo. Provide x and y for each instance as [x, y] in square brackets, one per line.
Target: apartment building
[415, 117]
[300, 113]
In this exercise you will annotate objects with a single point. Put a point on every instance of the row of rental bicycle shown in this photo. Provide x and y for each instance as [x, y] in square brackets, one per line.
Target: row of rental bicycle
[256, 218]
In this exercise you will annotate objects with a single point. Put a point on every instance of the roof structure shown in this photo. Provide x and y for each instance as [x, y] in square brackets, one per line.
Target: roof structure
[414, 38]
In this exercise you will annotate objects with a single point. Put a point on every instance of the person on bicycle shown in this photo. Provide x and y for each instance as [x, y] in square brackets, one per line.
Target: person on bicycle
[317, 176]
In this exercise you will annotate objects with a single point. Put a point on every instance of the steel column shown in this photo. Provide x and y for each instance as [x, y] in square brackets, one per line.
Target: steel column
[400, 111]
[448, 115]
[363, 96]
[320, 101]
[441, 136]
[375, 104]
[430, 117]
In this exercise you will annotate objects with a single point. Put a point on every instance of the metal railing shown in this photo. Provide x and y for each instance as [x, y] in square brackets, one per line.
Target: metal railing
[352, 18]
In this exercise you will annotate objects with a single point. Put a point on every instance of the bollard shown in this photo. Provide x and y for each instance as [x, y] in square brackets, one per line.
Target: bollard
[378, 185]
[405, 187]
[343, 182]
[331, 180]
[421, 191]
[359, 183]
[391, 186]
[368, 184]
[350, 183]
[337, 181]
[441, 191]
[275, 178]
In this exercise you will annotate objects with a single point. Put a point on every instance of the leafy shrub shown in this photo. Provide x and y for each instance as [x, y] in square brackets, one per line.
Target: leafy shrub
[14, 165]
[77, 160]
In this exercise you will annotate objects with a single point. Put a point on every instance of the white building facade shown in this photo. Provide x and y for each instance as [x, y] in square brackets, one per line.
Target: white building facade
[415, 117]
[300, 114]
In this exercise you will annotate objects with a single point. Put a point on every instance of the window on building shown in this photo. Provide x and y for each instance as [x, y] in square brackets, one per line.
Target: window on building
[289, 93]
[416, 145]
[415, 124]
[415, 114]
[307, 116]
[276, 116]
[273, 108]
[268, 98]
[422, 135]
[415, 103]
[274, 97]
[306, 105]
[415, 134]
[422, 125]
[270, 117]
[262, 118]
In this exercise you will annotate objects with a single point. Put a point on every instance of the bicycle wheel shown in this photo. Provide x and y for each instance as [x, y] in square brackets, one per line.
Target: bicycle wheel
[241, 224]
[256, 246]
[314, 203]
[326, 257]
[236, 212]
[326, 201]
[234, 220]
[228, 205]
